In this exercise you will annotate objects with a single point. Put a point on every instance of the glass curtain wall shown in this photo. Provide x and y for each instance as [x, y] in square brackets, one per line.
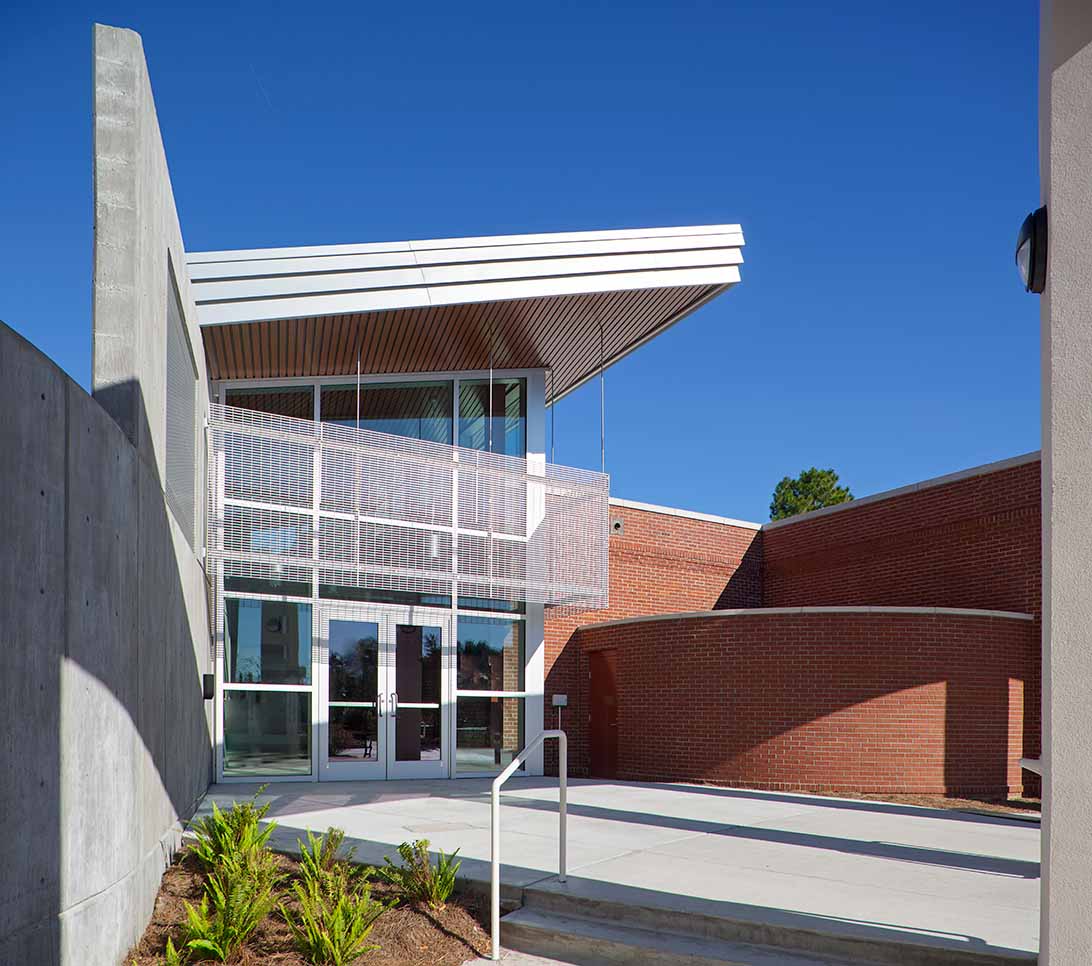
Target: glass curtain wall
[490, 661]
[497, 422]
[267, 687]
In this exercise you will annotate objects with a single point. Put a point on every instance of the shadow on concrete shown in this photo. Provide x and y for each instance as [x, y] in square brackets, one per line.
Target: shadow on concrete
[586, 894]
[106, 738]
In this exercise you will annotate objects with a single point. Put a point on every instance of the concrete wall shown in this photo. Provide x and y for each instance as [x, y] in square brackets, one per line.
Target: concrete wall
[138, 244]
[105, 740]
[1065, 143]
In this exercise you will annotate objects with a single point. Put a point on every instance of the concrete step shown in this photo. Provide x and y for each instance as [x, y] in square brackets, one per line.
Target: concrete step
[587, 942]
[787, 933]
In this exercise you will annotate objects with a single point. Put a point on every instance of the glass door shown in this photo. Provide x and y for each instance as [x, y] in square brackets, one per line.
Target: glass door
[417, 722]
[383, 693]
[352, 692]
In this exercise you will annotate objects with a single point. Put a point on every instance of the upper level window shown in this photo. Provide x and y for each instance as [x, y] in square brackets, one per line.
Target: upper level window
[295, 401]
[497, 424]
[417, 410]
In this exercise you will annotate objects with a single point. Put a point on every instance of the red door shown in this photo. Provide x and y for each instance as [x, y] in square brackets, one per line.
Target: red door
[603, 703]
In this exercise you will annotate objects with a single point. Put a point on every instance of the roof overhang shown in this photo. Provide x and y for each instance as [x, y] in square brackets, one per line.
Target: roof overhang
[571, 303]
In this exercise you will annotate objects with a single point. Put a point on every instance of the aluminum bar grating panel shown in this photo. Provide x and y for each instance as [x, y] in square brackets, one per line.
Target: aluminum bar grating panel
[289, 497]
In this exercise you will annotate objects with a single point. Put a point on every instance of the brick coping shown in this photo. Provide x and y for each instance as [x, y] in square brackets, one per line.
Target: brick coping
[670, 511]
[983, 470]
[819, 611]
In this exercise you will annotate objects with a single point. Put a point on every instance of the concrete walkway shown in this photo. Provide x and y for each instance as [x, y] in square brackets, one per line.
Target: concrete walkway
[870, 870]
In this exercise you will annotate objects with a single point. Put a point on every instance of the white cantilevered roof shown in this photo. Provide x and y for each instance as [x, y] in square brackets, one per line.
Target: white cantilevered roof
[567, 302]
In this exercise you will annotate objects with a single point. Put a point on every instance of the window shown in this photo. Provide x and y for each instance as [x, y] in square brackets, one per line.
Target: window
[377, 596]
[267, 642]
[180, 483]
[295, 401]
[498, 425]
[490, 654]
[267, 733]
[417, 410]
[488, 734]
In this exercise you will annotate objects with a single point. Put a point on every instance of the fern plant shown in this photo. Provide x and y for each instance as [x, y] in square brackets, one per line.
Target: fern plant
[322, 864]
[172, 956]
[417, 879]
[334, 911]
[238, 896]
[234, 833]
[332, 919]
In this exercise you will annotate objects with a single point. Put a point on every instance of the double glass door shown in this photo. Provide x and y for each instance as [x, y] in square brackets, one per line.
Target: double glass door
[383, 693]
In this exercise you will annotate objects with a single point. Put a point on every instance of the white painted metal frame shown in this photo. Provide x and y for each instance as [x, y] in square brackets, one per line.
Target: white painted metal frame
[495, 831]
[343, 770]
[223, 685]
[515, 529]
[532, 619]
[255, 285]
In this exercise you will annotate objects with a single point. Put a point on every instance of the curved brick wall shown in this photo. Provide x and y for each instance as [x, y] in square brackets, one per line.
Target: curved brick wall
[874, 700]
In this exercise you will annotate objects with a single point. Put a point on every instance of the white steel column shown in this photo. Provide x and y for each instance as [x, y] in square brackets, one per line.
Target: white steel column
[534, 629]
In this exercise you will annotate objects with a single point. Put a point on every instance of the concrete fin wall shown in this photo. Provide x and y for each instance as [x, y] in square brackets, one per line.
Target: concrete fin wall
[105, 740]
[138, 249]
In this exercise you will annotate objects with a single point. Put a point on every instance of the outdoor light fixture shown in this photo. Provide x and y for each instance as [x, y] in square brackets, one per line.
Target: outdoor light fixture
[1031, 251]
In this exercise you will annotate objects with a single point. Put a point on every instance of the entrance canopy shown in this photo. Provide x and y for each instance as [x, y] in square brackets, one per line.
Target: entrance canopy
[571, 303]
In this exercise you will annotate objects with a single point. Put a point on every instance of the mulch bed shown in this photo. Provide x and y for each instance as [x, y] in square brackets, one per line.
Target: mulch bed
[1012, 806]
[408, 935]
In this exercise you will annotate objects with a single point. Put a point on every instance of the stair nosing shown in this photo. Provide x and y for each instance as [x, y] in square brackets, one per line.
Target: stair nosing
[861, 949]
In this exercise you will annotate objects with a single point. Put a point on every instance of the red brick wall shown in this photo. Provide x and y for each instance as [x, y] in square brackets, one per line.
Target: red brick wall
[865, 702]
[661, 564]
[972, 543]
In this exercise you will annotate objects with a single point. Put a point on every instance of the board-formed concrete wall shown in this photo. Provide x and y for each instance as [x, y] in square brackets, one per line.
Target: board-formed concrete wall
[105, 739]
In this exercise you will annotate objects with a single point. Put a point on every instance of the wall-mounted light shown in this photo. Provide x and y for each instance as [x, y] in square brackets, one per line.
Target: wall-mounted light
[1031, 251]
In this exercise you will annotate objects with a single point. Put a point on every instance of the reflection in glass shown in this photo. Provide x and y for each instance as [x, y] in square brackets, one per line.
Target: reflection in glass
[295, 401]
[417, 664]
[508, 414]
[489, 733]
[377, 596]
[417, 669]
[492, 603]
[417, 734]
[267, 585]
[354, 734]
[267, 733]
[490, 654]
[419, 410]
[354, 660]
[267, 642]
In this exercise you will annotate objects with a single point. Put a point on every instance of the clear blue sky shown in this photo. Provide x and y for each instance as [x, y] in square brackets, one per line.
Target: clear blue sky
[879, 156]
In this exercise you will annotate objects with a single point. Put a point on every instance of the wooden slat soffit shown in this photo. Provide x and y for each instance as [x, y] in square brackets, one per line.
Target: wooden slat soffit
[560, 302]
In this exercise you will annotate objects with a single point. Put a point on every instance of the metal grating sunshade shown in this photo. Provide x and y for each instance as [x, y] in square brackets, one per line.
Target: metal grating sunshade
[289, 496]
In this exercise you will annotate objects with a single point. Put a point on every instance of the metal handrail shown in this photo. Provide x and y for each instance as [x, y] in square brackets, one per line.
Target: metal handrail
[494, 820]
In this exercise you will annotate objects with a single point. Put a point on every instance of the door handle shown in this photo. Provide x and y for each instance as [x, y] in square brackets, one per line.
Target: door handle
[394, 704]
[379, 704]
